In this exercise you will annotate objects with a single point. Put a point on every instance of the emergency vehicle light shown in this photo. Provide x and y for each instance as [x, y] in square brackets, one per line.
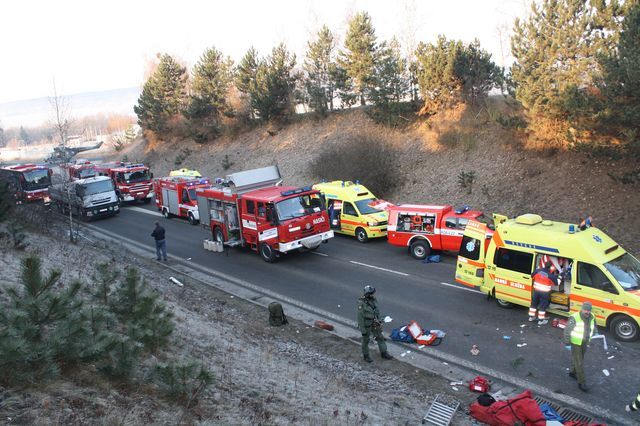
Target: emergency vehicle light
[462, 209]
[131, 166]
[611, 249]
[295, 191]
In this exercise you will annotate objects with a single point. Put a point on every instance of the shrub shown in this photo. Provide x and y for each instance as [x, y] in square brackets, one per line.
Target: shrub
[457, 138]
[181, 156]
[466, 179]
[227, 163]
[183, 383]
[368, 159]
[511, 121]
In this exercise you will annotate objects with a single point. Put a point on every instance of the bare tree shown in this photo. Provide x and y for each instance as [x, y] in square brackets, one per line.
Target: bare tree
[61, 121]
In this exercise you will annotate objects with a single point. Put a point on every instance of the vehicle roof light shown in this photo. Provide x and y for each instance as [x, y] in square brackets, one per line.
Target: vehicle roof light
[611, 249]
[462, 209]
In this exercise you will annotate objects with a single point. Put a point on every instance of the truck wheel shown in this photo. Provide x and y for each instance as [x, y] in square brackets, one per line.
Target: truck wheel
[361, 235]
[624, 328]
[146, 200]
[502, 303]
[420, 249]
[166, 214]
[218, 236]
[192, 220]
[268, 253]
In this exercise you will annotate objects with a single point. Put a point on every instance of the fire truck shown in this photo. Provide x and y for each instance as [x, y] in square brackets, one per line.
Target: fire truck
[132, 181]
[81, 169]
[251, 209]
[28, 182]
[176, 196]
[423, 228]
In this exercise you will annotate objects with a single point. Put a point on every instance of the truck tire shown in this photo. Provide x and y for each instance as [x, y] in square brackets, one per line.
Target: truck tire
[420, 249]
[624, 328]
[267, 253]
[192, 220]
[502, 303]
[146, 200]
[361, 235]
[218, 235]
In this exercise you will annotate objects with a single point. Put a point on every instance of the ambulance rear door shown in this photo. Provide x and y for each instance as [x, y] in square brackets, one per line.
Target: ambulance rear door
[512, 275]
[471, 258]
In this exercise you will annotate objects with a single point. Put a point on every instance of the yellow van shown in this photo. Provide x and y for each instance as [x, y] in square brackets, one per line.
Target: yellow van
[592, 268]
[352, 210]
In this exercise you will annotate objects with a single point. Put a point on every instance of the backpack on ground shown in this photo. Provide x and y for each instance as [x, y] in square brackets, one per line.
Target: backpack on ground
[276, 315]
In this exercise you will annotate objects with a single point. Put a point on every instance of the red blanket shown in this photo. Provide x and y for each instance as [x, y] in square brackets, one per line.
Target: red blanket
[522, 408]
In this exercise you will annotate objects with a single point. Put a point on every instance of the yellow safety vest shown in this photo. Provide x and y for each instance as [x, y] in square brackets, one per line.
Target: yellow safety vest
[578, 331]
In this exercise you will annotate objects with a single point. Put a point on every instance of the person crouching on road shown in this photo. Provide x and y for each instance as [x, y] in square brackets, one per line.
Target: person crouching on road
[369, 323]
[161, 243]
[543, 280]
[579, 331]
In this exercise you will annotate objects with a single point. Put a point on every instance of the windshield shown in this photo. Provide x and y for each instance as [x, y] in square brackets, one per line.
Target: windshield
[487, 221]
[98, 187]
[192, 194]
[137, 176]
[364, 207]
[299, 206]
[36, 179]
[86, 173]
[626, 270]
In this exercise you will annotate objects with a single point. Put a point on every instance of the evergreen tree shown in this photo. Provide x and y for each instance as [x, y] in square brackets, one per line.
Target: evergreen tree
[212, 78]
[620, 85]
[163, 95]
[391, 81]
[246, 71]
[556, 50]
[477, 72]
[344, 87]
[359, 56]
[319, 65]
[7, 201]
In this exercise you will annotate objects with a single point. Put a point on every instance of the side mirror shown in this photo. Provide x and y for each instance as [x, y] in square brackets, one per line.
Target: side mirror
[151, 174]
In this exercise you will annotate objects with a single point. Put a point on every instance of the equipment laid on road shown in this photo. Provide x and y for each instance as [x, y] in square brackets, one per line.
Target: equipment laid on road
[595, 269]
[479, 384]
[89, 198]
[424, 228]
[176, 196]
[27, 182]
[250, 209]
[132, 181]
[354, 210]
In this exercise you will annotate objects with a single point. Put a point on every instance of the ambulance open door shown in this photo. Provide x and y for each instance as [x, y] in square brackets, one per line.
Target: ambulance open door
[470, 265]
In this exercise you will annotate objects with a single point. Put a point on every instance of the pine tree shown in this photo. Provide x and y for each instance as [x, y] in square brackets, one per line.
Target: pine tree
[391, 81]
[212, 78]
[7, 201]
[319, 65]
[359, 56]
[477, 72]
[246, 71]
[163, 95]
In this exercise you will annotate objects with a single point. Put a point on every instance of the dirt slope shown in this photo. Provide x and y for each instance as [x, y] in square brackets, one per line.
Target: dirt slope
[509, 179]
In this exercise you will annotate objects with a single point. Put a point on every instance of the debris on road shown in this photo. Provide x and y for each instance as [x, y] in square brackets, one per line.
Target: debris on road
[323, 325]
[521, 345]
[605, 372]
[176, 282]
[388, 319]
[475, 351]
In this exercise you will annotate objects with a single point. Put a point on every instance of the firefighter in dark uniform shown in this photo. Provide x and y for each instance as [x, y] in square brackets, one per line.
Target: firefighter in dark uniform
[369, 323]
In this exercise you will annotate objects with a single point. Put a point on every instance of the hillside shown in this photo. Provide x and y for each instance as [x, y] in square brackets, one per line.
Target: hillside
[509, 177]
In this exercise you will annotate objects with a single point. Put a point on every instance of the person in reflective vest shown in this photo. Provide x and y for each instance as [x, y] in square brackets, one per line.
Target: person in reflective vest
[578, 333]
[634, 406]
[543, 280]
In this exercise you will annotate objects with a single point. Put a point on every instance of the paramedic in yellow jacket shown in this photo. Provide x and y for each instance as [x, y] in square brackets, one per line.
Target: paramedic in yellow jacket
[578, 333]
[369, 323]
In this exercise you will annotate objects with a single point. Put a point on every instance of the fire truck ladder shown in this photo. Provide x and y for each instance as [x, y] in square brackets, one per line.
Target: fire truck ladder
[440, 414]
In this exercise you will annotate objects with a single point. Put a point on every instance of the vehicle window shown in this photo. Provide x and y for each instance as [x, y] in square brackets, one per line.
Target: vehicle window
[192, 194]
[251, 207]
[36, 179]
[626, 270]
[298, 206]
[450, 223]
[97, 187]
[185, 196]
[261, 210]
[137, 176]
[462, 223]
[591, 276]
[470, 248]
[365, 208]
[513, 260]
[349, 209]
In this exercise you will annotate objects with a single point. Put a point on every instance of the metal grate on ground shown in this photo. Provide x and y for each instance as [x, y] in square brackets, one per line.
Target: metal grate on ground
[439, 414]
[566, 413]
[553, 405]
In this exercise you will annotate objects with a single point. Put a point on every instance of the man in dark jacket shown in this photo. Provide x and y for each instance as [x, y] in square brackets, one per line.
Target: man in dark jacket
[161, 243]
[578, 333]
[369, 323]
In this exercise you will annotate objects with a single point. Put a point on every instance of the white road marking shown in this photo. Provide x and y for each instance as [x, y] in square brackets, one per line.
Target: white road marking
[376, 267]
[460, 288]
[320, 254]
[141, 210]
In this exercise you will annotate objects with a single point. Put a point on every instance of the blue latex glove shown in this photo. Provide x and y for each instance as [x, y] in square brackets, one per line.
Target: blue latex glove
[568, 347]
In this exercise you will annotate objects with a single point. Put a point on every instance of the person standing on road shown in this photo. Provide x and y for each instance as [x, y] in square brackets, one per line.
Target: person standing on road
[543, 280]
[634, 406]
[578, 333]
[161, 243]
[369, 323]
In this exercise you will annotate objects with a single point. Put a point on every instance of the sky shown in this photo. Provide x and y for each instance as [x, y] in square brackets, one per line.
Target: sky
[92, 45]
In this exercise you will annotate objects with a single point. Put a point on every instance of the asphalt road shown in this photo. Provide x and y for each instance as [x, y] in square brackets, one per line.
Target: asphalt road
[332, 278]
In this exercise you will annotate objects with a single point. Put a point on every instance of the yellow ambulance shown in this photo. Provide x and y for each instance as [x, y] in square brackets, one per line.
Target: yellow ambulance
[354, 210]
[592, 267]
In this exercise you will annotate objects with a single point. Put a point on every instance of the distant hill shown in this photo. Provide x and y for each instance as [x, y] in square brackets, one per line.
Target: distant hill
[34, 112]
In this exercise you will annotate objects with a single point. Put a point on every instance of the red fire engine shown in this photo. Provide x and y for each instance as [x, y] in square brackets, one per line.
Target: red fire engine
[250, 209]
[423, 228]
[81, 169]
[176, 196]
[132, 181]
[28, 182]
